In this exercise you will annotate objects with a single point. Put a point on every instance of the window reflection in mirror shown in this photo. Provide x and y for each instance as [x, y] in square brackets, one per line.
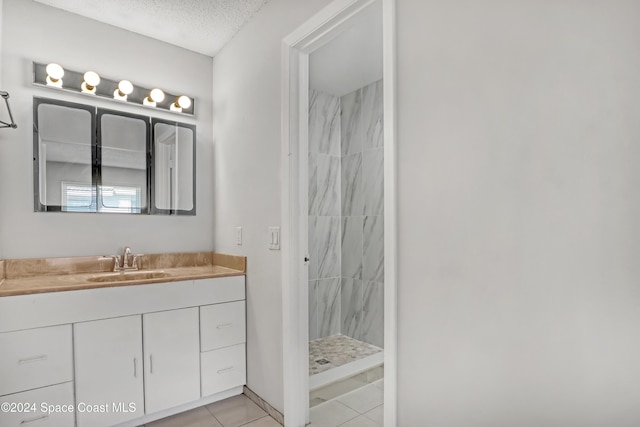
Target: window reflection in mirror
[173, 168]
[64, 144]
[123, 142]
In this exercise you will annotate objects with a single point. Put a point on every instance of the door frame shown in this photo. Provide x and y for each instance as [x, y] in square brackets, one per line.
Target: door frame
[296, 47]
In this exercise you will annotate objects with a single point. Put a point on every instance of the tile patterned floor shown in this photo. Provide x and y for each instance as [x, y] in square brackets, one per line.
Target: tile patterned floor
[232, 412]
[336, 350]
[359, 408]
[354, 402]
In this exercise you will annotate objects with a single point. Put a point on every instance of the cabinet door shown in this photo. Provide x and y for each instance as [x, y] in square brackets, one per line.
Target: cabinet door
[108, 371]
[172, 358]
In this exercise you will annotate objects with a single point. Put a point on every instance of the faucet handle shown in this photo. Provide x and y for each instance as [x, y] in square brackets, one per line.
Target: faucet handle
[116, 262]
[135, 261]
[111, 258]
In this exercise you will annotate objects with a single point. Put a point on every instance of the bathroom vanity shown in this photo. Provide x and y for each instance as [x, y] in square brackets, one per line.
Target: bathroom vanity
[79, 349]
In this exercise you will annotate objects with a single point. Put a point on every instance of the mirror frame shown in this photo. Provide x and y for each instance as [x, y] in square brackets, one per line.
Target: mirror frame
[154, 209]
[96, 157]
[38, 205]
[145, 119]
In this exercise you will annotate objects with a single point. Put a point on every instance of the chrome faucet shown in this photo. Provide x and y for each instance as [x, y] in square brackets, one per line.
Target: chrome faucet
[126, 261]
[125, 258]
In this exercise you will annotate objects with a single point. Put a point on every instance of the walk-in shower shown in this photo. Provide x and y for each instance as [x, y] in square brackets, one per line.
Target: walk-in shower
[346, 205]
[346, 218]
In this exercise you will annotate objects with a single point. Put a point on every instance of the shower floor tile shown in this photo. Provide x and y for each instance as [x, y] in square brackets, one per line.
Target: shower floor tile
[337, 350]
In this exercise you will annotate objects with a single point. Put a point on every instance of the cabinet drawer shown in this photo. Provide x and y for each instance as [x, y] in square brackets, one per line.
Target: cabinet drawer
[223, 369]
[61, 394]
[222, 325]
[35, 358]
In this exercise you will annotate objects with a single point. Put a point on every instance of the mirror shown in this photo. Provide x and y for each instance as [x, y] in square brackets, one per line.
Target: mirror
[173, 168]
[123, 177]
[88, 159]
[64, 149]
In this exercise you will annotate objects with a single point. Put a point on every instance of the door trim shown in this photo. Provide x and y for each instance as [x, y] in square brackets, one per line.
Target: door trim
[296, 47]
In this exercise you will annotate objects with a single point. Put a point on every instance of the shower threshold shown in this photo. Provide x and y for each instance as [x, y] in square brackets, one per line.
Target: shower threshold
[339, 356]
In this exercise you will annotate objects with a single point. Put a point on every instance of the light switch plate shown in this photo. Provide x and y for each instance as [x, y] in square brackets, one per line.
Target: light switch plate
[274, 238]
[239, 236]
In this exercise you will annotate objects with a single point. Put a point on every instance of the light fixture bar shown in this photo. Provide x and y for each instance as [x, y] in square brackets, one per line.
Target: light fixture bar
[91, 83]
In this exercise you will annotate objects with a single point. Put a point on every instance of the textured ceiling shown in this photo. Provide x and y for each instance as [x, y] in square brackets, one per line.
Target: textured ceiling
[203, 26]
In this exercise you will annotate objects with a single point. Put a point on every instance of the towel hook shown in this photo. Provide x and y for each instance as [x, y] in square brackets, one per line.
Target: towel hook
[11, 124]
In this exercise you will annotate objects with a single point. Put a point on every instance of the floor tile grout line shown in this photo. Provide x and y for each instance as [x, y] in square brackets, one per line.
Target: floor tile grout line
[355, 410]
[252, 421]
[340, 403]
[373, 421]
[213, 415]
[337, 399]
[350, 419]
[365, 414]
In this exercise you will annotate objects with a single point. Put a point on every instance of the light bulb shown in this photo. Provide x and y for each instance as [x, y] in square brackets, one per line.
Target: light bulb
[124, 88]
[180, 103]
[91, 80]
[184, 101]
[54, 75]
[155, 96]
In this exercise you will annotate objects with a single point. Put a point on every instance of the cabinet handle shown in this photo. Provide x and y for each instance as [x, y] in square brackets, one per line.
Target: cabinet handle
[33, 420]
[225, 325]
[222, 371]
[151, 363]
[135, 367]
[32, 359]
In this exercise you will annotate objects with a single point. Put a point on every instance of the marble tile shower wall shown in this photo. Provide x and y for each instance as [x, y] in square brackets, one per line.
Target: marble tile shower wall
[362, 215]
[346, 271]
[324, 215]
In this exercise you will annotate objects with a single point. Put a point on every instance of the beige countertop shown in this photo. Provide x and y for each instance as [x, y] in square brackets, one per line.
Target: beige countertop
[32, 276]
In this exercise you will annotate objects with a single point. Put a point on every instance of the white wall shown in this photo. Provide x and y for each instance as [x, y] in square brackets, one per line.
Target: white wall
[246, 87]
[519, 213]
[34, 32]
[2, 137]
[334, 68]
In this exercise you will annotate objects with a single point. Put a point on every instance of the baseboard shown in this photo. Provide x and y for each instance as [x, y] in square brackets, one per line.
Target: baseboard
[182, 408]
[273, 412]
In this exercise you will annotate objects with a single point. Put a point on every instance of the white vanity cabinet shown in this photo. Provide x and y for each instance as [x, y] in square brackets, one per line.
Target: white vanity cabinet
[116, 366]
[36, 368]
[222, 342]
[50, 406]
[172, 352]
[109, 370]
[137, 354]
[35, 358]
[222, 325]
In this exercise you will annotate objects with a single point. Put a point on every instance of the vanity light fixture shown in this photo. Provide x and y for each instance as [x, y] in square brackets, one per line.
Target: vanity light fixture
[156, 95]
[91, 80]
[54, 75]
[123, 90]
[181, 102]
